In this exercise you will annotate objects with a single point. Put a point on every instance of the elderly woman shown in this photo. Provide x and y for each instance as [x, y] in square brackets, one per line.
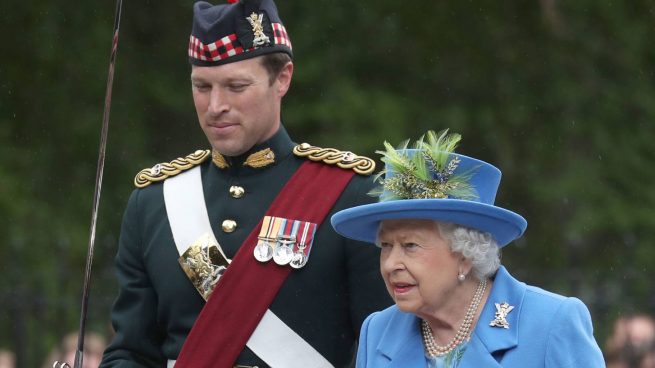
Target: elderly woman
[455, 305]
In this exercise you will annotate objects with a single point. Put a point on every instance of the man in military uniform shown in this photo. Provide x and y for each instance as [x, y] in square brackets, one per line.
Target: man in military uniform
[225, 256]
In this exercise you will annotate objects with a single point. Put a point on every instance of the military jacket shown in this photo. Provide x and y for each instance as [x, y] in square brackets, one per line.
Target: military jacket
[324, 302]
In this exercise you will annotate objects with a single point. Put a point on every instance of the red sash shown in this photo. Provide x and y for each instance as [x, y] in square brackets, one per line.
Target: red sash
[248, 287]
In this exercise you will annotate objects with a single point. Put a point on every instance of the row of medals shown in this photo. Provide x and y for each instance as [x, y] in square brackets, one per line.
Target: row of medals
[283, 253]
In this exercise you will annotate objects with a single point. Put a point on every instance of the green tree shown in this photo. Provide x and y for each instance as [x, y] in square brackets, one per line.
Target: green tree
[559, 95]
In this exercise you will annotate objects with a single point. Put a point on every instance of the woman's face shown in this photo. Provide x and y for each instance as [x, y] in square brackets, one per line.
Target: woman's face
[418, 267]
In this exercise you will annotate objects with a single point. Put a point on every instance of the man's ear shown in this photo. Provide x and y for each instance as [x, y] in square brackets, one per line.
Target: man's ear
[284, 79]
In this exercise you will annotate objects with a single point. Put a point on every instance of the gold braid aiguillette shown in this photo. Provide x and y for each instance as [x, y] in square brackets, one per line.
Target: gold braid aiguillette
[344, 159]
[165, 170]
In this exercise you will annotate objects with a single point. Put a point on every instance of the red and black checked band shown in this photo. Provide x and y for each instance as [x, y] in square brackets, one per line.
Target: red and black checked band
[228, 46]
[280, 35]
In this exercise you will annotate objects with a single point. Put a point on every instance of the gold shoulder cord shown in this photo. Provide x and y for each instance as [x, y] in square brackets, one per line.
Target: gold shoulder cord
[165, 170]
[344, 159]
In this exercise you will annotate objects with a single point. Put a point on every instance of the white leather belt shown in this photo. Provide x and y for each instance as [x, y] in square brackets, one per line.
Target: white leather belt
[272, 341]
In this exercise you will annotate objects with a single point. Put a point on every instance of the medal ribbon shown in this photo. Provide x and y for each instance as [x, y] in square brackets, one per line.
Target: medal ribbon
[304, 244]
[286, 229]
[267, 229]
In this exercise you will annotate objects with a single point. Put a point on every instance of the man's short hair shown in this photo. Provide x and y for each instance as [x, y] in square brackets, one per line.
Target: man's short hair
[273, 63]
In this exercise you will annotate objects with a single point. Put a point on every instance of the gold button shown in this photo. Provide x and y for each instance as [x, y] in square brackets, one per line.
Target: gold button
[229, 226]
[237, 191]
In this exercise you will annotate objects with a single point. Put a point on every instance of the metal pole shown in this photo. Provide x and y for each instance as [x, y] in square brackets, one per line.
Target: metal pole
[96, 193]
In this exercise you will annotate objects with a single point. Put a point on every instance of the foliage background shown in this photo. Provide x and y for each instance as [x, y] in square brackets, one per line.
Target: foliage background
[559, 94]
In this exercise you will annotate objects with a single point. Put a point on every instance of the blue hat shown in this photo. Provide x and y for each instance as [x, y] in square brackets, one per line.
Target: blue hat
[431, 182]
[236, 31]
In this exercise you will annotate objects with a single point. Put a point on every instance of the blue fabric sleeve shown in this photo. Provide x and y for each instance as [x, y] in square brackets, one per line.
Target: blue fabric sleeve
[571, 341]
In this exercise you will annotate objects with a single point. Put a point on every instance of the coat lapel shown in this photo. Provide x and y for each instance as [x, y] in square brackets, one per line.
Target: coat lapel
[477, 355]
[487, 340]
[401, 342]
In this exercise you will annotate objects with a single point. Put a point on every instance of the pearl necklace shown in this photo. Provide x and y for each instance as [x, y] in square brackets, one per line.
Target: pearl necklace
[463, 331]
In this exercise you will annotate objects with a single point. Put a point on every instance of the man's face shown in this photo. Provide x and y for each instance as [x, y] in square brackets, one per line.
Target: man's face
[237, 106]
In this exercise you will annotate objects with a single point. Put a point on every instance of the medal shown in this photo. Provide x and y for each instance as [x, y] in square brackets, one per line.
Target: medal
[301, 255]
[299, 260]
[263, 251]
[283, 253]
[286, 242]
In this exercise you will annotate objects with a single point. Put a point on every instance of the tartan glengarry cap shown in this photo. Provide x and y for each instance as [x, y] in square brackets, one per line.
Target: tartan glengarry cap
[236, 31]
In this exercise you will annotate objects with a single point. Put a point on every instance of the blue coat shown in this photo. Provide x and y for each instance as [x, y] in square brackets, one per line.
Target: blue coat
[545, 330]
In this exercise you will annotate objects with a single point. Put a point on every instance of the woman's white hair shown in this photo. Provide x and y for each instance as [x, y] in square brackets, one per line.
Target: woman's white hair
[477, 246]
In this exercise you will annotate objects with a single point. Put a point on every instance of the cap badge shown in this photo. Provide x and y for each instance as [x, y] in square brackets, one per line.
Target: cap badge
[502, 310]
[256, 21]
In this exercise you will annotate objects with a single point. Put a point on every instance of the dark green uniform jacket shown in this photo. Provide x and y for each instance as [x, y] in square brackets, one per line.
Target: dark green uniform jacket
[325, 302]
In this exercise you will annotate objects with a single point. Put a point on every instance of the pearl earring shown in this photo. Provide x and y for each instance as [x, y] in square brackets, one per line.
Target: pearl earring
[461, 277]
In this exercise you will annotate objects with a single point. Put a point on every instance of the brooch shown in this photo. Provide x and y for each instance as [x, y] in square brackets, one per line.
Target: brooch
[502, 310]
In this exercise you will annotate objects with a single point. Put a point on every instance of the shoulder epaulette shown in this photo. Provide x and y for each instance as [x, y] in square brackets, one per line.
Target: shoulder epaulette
[165, 170]
[344, 159]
